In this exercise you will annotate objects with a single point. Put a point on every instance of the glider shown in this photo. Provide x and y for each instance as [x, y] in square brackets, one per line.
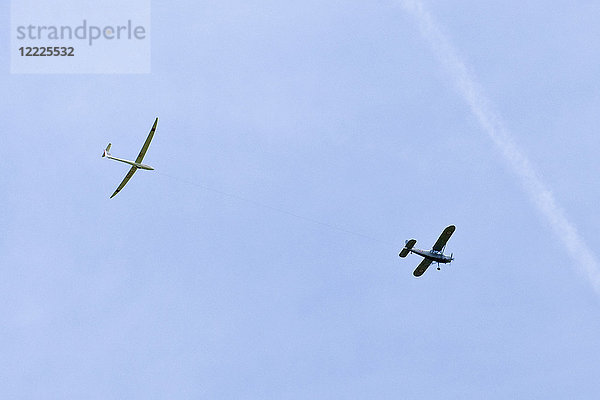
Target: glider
[436, 254]
[135, 165]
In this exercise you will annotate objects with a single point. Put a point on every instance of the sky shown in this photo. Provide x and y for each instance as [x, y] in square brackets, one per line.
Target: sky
[299, 145]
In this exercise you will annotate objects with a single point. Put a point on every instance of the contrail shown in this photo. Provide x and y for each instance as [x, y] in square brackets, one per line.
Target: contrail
[491, 123]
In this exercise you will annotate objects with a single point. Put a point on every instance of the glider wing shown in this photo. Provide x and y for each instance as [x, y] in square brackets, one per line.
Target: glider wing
[140, 156]
[125, 180]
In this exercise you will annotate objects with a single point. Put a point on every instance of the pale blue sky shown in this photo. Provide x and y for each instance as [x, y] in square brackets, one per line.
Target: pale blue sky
[336, 111]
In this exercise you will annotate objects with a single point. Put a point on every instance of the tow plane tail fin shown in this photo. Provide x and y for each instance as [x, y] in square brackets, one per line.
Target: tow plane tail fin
[107, 151]
[407, 247]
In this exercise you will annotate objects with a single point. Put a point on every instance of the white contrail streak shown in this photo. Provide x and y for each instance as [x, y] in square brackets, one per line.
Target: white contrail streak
[537, 191]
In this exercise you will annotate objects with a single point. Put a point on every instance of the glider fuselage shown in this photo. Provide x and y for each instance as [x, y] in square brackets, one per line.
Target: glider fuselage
[132, 163]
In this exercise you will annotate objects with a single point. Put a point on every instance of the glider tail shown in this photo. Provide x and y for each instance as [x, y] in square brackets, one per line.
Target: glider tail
[407, 247]
[107, 151]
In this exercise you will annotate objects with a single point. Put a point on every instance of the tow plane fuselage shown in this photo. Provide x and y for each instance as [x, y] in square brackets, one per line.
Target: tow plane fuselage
[435, 256]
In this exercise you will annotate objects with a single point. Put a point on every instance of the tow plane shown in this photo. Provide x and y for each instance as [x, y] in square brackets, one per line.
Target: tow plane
[135, 165]
[436, 254]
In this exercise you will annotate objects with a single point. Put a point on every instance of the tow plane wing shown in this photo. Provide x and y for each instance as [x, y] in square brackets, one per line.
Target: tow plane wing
[422, 267]
[443, 239]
